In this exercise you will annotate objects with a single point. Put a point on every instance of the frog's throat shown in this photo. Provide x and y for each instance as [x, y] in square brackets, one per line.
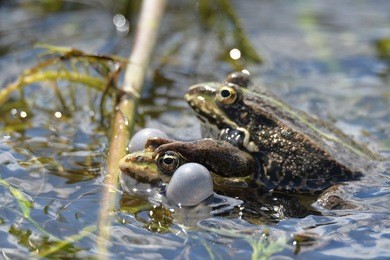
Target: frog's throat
[224, 120]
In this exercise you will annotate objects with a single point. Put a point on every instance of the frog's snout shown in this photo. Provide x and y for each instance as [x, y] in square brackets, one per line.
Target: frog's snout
[200, 91]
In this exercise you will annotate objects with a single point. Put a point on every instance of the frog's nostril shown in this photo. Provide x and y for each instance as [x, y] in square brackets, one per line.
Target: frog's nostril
[193, 91]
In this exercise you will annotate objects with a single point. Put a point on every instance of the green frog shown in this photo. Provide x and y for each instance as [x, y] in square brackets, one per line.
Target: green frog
[293, 150]
[155, 164]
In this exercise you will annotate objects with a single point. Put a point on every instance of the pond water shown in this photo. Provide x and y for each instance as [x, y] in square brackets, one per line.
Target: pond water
[319, 56]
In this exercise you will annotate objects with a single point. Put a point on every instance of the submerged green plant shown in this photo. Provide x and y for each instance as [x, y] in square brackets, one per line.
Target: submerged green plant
[382, 47]
[48, 244]
[263, 247]
[25, 204]
[97, 72]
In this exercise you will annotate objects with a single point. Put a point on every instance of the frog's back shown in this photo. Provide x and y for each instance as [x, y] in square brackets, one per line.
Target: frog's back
[311, 153]
[324, 133]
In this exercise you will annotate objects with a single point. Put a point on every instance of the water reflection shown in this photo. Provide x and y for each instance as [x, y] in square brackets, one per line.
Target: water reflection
[235, 54]
[122, 24]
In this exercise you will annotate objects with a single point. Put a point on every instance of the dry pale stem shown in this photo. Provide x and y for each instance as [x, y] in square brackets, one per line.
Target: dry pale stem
[151, 14]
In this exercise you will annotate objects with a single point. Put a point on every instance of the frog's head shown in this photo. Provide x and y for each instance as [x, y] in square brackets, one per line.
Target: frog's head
[144, 167]
[225, 105]
[216, 103]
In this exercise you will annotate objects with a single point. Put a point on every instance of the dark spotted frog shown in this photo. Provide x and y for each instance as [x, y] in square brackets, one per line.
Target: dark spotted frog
[293, 150]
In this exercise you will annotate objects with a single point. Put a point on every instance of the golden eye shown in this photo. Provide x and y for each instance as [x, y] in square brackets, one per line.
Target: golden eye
[168, 162]
[226, 95]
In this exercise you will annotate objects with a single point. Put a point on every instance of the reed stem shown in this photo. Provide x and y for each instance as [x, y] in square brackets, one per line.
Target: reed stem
[126, 113]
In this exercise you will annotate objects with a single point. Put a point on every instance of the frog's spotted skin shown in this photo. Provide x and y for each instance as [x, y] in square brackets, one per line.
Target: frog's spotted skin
[296, 151]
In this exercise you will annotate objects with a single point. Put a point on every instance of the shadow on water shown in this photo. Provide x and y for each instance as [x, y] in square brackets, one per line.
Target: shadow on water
[329, 58]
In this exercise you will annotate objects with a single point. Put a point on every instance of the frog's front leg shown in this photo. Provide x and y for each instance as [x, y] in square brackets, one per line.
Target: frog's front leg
[153, 142]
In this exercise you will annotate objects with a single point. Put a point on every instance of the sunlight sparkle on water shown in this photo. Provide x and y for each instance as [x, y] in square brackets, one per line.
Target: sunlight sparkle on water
[58, 114]
[246, 72]
[23, 114]
[14, 111]
[235, 54]
[121, 23]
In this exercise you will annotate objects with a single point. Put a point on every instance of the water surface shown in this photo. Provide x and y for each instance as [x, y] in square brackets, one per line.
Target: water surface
[319, 56]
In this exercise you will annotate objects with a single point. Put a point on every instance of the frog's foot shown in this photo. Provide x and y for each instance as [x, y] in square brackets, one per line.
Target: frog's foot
[239, 137]
[232, 136]
[335, 198]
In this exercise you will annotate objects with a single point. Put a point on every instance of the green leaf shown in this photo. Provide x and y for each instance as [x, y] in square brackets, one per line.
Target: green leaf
[24, 202]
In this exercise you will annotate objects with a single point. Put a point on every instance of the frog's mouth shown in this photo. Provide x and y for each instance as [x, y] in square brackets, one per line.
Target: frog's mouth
[201, 98]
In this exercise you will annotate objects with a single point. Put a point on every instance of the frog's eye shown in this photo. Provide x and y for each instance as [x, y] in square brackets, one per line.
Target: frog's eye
[226, 95]
[168, 162]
